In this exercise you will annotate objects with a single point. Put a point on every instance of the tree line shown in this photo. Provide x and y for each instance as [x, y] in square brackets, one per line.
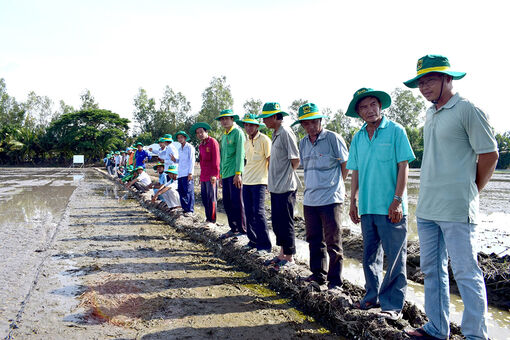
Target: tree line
[40, 132]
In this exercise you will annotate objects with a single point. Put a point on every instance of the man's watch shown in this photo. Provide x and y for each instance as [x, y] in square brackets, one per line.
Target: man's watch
[398, 198]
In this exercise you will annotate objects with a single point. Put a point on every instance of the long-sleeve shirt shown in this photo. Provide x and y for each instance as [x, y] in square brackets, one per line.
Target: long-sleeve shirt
[186, 160]
[209, 151]
[232, 152]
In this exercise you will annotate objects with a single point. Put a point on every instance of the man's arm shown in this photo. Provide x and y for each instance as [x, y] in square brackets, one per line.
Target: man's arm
[485, 168]
[345, 171]
[295, 163]
[395, 212]
[353, 210]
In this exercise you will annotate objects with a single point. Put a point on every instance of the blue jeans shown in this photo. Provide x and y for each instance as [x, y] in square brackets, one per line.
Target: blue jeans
[380, 237]
[254, 197]
[438, 240]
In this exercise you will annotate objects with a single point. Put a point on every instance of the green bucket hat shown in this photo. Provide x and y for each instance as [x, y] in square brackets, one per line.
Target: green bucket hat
[139, 143]
[161, 140]
[308, 111]
[117, 152]
[250, 118]
[432, 63]
[168, 138]
[270, 109]
[198, 125]
[172, 169]
[364, 92]
[227, 113]
[181, 133]
[155, 167]
[139, 167]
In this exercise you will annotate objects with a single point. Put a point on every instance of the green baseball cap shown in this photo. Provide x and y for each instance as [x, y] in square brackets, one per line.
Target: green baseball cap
[182, 133]
[172, 169]
[250, 118]
[270, 109]
[364, 92]
[198, 125]
[432, 63]
[308, 111]
[227, 113]
[139, 143]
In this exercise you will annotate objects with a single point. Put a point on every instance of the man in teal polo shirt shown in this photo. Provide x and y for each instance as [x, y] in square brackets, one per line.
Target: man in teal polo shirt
[231, 169]
[459, 157]
[379, 157]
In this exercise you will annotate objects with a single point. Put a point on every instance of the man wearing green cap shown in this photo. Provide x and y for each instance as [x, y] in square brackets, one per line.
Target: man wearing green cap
[169, 151]
[142, 181]
[456, 134]
[231, 169]
[141, 155]
[282, 183]
[209, 154]
[168, 191]
[323, 154]
[379, 156]
[258, 151]
[186, 169]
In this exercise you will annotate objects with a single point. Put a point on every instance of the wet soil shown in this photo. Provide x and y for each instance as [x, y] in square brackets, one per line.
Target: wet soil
[113, 270]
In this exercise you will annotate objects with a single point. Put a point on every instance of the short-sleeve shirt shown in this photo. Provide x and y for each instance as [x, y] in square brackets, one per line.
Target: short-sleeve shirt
[209, 151]
[170, 150]
[282, 177]
[321, 162]
[376, 161]
[232, 152]
[186, 160]
[453, 137]
[163, 178]
[144, 178]
[257, 150]
[139, 158]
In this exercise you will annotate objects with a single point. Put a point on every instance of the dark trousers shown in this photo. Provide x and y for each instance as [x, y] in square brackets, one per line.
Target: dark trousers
[209, 193]
[323, 235]
[233, 204]
[254, 197]
[186, 190]
[282, 218]
[140, 187]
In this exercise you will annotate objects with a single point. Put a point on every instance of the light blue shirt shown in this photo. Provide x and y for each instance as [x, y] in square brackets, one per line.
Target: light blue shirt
[321, 162]
[376, 161]
[453, 137]
[186, 160]
[162, 178]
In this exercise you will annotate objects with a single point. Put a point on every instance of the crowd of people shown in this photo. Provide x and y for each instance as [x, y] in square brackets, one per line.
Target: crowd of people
[460, 154]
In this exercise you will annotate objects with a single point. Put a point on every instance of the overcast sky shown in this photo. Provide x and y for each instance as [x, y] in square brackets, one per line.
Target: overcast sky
[271, 50]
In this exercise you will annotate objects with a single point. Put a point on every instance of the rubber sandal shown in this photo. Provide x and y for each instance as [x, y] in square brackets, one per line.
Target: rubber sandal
[423, 335]
[365, 305]
[272, 261]
[283, 264]
[228, 234]
[390, 314]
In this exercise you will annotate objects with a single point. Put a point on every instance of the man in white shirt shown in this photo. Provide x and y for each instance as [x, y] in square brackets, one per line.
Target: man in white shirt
[186, 162]
[142, 181]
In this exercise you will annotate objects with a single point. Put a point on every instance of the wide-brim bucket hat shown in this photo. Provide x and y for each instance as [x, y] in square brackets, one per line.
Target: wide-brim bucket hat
[432, 63]
[172, 169]
[227, 113]
[364, 92]
[199, 125]
[139, 143]
[140, 167]
[183, 133]
[155, 167]
[308, 111]
[270, 109]
[250, 118]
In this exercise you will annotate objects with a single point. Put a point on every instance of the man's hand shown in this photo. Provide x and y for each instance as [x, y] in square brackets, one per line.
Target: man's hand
[395, 211]
[173, 158]
[353, 212]
[213, 180]
[153, 199]
[238, 182]
[190, 177]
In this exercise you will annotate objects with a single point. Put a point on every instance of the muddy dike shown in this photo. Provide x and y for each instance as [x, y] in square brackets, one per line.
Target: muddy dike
[332, 309]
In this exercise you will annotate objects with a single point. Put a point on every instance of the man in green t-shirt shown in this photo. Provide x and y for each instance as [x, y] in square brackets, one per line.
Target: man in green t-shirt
[231, 169]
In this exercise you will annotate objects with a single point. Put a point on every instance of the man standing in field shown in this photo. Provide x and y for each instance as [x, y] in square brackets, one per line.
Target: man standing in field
[141, 155]
[459, 158]
[209, 153]
[379, 156]
[231, 169]
[282, 184]
[323, 154]
[258, 150]
[186, 168]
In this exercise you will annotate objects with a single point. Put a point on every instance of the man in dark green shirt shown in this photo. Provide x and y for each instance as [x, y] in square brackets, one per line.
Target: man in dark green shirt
[231, 169]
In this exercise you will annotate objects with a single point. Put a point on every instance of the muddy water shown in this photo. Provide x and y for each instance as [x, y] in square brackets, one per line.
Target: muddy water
[105, 268]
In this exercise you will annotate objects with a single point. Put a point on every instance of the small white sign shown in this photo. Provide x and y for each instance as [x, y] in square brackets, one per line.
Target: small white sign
[78, 159]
